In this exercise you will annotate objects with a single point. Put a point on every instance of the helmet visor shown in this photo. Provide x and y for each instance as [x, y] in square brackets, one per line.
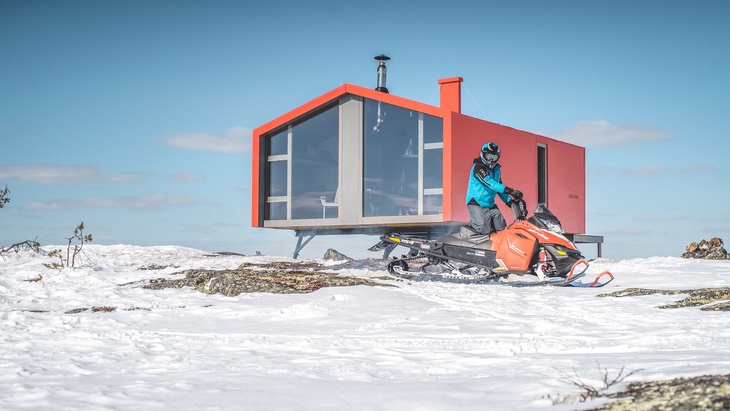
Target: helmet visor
[490, 158]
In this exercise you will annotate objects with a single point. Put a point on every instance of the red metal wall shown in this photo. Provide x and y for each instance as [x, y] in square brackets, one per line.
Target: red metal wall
[565, 169]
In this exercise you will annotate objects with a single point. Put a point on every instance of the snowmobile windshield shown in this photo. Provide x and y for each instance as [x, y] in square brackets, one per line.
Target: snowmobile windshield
[544, 218]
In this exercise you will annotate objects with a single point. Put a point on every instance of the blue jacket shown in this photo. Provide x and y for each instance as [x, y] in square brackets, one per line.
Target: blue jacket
[484, 185]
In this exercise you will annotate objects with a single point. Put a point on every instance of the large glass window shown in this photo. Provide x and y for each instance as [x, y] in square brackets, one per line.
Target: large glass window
[402, 155]
[302, 169]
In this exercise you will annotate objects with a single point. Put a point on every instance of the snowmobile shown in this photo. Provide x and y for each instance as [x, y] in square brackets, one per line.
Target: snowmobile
[529, 247]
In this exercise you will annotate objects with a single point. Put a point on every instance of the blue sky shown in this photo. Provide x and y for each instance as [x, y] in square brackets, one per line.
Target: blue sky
[135, 117]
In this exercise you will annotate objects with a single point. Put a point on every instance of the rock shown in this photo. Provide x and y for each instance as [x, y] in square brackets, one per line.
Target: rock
[278, 278]
[711, 250]
[717, 253]
[705, 392]
[332, 254]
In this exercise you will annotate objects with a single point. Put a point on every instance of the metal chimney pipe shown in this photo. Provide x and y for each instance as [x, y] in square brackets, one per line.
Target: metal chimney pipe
[382, 72]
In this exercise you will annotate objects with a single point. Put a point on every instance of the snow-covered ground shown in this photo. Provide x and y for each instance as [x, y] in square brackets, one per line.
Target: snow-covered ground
[416, 346]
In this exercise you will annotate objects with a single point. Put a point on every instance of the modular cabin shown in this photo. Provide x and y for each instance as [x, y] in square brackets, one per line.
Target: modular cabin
[363, 161]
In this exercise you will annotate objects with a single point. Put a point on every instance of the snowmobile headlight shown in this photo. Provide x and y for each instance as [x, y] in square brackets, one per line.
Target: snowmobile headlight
[555, 227]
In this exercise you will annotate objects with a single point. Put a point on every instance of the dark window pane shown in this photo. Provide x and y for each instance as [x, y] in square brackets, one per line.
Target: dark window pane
[277, 177]
[315, 156]
[432, 204]
[433, 129]
[391, 155]
[433, 168]
[277, 211]
[278, 144]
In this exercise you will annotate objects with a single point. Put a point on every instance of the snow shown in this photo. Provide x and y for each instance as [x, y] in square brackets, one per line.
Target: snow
[415, 346]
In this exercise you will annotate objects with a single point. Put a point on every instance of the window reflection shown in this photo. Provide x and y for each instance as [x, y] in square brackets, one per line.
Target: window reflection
[394, 152]
[303, 183]
[315, 154]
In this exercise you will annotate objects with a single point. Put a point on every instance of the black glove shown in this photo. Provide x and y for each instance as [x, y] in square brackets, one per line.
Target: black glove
[515, 194]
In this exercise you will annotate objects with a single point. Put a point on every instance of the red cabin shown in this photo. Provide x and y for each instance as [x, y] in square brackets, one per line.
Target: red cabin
[363, 161]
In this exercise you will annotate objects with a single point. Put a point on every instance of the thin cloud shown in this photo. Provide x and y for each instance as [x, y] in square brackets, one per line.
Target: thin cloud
[597, 133]
[651, 171]
[235, 140]
[48, 174]
[64, 175]
[198, 229]
[630, 231]
[186, 177]
[125, 178]
[148, 202]
[662, 218]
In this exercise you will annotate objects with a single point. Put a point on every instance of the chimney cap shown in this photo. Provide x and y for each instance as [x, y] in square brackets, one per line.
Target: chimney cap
[382, 57]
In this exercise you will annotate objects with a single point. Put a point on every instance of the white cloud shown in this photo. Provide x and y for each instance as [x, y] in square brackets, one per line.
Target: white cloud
[65, 175]
[235, 140]
[125, 177]
[602, 133]
[186, 177]
[658, 170]
[48, 174]
[148, 202]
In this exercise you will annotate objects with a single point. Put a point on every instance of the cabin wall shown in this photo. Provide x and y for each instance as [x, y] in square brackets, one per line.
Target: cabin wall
[565, 169]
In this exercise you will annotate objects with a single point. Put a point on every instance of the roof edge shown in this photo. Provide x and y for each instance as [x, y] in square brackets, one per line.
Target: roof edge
[340, 91]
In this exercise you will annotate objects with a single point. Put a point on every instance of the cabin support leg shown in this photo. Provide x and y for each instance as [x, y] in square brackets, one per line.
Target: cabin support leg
[389, 249]
[301, 244]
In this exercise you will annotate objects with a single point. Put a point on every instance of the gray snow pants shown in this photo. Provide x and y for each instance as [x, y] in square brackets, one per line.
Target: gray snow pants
[486, 220]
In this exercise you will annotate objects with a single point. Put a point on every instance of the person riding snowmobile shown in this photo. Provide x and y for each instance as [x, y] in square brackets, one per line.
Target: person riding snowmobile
[485, 183]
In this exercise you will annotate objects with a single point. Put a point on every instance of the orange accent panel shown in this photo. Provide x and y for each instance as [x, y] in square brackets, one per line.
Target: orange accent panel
[451, 93]
[256, 213]
[344, 89]
[515, 251]
[447, 184]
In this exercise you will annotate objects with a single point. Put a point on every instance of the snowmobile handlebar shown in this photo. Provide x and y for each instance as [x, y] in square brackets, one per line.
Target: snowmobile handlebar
[519, 208]
[515, 194]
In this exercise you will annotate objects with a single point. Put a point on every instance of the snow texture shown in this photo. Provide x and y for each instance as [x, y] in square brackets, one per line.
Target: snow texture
[416, 346]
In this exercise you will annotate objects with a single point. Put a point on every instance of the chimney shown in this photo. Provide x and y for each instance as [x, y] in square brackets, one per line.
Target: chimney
[382, 72]
[451, 93]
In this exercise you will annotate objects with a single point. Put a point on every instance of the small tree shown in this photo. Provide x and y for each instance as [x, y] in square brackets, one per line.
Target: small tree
[81, 239]
[30, 245]
[4, 197]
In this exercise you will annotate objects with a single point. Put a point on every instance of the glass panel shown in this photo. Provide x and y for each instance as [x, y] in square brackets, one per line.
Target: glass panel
[433, 129]
[276, 174]
[277, 211]
[391, 158]
[432, 204]
[315, 158]
[278, 144]
[433, 168]
[277, 178]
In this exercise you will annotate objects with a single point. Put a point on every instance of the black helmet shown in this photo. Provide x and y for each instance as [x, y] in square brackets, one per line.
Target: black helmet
[490, 154]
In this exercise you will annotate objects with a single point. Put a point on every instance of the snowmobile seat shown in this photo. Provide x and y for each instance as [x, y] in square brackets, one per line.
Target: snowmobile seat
[467, 237]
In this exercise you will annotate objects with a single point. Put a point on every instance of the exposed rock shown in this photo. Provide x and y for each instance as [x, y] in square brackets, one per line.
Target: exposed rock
[332, 254]
[248, 280]
[710, 250]
[700, 297]
[707, 392]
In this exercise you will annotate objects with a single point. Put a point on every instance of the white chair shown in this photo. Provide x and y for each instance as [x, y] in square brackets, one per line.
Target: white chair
[325, 203]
